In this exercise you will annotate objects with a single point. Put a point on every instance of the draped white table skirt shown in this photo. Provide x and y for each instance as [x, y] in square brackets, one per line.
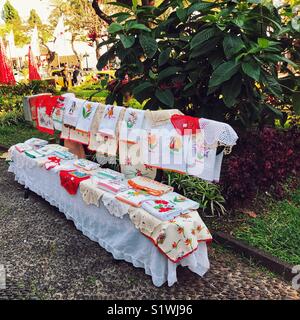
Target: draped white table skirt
[117, 236]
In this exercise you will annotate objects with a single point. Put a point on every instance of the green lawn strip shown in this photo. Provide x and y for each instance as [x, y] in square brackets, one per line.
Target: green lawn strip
[276, 231]
[10, 135]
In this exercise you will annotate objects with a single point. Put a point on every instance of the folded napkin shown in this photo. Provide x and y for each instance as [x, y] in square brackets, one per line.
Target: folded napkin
[86, 164]
[134, 197]
[169, 206]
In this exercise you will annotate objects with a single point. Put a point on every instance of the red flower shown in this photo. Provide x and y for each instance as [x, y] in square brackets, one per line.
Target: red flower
[174, 245]
[164, 209]
[161, 202]
[180, 230]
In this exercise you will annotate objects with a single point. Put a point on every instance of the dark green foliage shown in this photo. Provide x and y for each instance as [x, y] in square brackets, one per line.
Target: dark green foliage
[209, 59]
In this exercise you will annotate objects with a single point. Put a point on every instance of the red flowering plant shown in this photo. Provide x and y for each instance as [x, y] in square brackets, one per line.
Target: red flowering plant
[262, 161]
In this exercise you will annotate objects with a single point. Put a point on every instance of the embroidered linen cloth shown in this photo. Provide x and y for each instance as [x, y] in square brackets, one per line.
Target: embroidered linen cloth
[64, 155]
[109, 121]
[111, 185]
[105, 140]
[51, 148]
[70, 180]
[93, 195]
[151, 186]
[52, 162]
[86, 116]
[93, 143]
[59, 110]
[108, 174]
[176, 238]
[165, 148]
[44, 122]
[114, 206]
[131, 125]
[159, 117]
[90, 193]
[134, 197]
[73, 108]
[79, 136]
[22, 147]
[86, 164]
[36, 143]
[132, 163]
[169, 206]
[203, 161]
[33, 154]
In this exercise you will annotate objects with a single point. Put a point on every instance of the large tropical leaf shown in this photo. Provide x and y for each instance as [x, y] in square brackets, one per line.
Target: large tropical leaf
[251, 69]
[203, 36]
[165, 96]
[138, 26]
[144, 86]
[149, 45]
[127, 41]
[223, 73]
[200, 6]
[232, 44]
[170, 71]
[164, 56]
[231, 90]
[296, 102]
[114, 27]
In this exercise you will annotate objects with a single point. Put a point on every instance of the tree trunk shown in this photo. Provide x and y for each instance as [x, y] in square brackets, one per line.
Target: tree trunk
[50, 56]
[75, 52]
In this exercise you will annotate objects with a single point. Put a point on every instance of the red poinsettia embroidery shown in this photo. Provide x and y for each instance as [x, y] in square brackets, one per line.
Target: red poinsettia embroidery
[161, 202]
[164, 209]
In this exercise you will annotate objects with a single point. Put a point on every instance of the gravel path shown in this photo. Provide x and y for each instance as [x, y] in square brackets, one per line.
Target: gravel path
[45, 257]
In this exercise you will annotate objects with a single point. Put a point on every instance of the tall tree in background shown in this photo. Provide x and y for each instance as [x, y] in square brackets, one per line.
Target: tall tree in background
[45, 33]
[80, 20]
[10, 14]
[34, 19]
[13, 22]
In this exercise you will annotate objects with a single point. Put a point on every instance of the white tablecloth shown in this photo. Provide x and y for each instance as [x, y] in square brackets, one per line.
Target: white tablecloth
[117, 236]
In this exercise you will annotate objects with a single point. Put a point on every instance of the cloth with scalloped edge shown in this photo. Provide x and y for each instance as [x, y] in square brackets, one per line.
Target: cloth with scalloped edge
[176, 238]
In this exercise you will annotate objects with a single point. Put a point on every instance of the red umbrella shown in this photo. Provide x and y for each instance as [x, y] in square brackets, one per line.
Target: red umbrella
[6, 73]
[33, 71]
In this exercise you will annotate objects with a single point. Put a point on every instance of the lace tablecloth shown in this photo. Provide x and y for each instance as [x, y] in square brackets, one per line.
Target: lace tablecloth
[115, 235]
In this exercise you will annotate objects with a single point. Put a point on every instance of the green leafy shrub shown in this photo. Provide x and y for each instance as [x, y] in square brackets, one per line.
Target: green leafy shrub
[11, 99]
[217, 59]
[207, 194]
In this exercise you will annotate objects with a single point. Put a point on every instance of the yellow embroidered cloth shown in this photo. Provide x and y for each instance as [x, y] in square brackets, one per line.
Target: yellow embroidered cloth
[175, 238]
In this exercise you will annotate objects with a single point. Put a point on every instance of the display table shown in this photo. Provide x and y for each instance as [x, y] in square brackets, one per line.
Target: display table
[117, 236]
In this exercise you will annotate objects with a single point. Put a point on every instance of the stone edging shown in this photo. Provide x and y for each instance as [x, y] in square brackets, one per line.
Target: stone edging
[273, 264]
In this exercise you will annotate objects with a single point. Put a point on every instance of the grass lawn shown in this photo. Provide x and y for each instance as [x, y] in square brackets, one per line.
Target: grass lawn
[277, 230]
[10, 135]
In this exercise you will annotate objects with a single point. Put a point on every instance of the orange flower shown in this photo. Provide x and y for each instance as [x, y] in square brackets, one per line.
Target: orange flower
[199, 228]
[193, 231]
[188, 242]
[180, 230]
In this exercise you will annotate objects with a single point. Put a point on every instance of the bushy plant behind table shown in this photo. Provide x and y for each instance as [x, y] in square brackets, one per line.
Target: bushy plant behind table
[11, 99]
[217, 59]
[261, 162]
